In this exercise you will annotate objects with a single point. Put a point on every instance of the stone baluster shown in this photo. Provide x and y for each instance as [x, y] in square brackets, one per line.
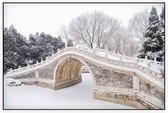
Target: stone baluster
[93, 51]
[37, 74]
[146, 59]
[28, 65]
[136, 61]
[120, 60]
[66, 45]
[41, 60]
[148, 64]
[155, 61]
[148, 68]
[19, 68]
[136, 82]
[106, 56]
[134, 57]
[11, 69]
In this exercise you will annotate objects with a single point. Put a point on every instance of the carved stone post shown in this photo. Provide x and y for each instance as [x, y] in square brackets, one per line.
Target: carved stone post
[41, 60]
[28, 65]
[135, 82]
[94, 52]
[148, 67]
[66, 44]
[146, 58]
[148, 64]
[11, 69]
[106, 55]
[120, 60]
[37, 74]
[155, 61]
[136, 63]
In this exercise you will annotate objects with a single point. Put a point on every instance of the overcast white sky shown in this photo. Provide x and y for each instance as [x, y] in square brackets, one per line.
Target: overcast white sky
[48, 18]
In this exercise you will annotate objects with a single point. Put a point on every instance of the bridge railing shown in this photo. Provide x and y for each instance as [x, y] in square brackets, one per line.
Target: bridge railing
[140, 94]
[144, 65]
[147, 66]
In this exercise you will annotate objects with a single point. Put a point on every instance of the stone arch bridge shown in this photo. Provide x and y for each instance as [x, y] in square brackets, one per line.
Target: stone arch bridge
[120, 79]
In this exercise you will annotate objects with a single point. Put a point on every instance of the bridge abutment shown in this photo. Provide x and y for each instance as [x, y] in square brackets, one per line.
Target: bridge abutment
[67, 83]
[131, 100]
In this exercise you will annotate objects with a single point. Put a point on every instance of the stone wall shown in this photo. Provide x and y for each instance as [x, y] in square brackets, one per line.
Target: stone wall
[124, 99]
[68, 83]
[29, 75]
[151, 90]
[47, 72]
[105, 77]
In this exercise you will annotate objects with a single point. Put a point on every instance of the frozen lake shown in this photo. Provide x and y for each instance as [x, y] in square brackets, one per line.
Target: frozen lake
[79, 96]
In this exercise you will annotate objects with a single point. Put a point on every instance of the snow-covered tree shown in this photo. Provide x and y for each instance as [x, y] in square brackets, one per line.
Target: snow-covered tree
[18, 51]
[70, 43]
[162, 32]
[43, 45]
[152, 46]
[60, 43]
[15, 49]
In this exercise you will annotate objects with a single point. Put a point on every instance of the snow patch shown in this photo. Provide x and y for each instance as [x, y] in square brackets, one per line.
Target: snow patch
[79, 96]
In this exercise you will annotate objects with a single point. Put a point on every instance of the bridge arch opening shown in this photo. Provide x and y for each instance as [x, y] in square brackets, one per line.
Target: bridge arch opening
[68, 72]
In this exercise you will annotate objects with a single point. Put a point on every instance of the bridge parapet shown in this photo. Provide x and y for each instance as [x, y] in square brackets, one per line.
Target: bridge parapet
[128, 97]
[149, 67]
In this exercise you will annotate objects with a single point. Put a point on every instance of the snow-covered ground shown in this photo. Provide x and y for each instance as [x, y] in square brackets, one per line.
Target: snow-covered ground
[79, 96]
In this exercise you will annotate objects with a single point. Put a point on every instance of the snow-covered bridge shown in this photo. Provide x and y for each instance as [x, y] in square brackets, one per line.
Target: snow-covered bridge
[120, 79]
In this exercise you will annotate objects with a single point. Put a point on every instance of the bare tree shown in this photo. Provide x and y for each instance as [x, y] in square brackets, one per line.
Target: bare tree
[118, 41]
[94, 29]
[97, 30]
[108, 33]
[115, 42]
[129, 45]
[122, 42]
[139, 24]
[64, 33]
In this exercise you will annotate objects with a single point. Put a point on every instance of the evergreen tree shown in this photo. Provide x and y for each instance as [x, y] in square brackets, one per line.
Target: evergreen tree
[43, 45]
[162, 32]
[18, 51]
[152, 46]
[70, 43]
[34, 50]
[15, 49]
